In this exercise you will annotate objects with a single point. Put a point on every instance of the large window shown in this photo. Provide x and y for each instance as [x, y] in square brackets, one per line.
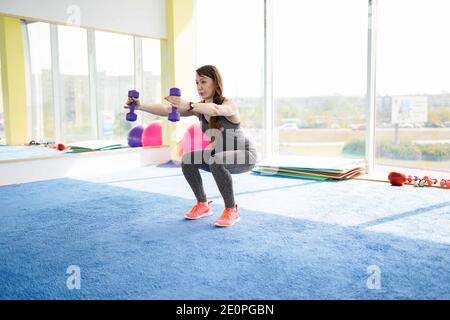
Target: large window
[80, 79]
[413, 85]
[42, 112]
[151, 65]
[78, 122]
[230, 36]
[115, 76]
[319, 67]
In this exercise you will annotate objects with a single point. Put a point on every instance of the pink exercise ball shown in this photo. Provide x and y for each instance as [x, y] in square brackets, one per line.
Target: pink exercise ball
[152, 135]
[194, 139]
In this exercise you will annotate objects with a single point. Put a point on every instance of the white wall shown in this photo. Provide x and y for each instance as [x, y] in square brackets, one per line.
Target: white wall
[80, 165]
[137, 17]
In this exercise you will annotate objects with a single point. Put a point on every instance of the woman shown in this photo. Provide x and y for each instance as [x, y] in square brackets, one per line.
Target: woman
[233, 152]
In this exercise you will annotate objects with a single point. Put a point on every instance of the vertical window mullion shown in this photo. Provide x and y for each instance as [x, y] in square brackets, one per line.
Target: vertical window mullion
[56, 81]
[138, 69]
[268, 143]
[371, 90]
[35, 130]
[96, 124]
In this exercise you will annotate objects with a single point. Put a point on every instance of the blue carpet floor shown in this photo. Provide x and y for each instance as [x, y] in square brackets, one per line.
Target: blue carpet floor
[132, 243]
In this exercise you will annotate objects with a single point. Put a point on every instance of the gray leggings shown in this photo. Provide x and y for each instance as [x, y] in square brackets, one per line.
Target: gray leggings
[221, 165]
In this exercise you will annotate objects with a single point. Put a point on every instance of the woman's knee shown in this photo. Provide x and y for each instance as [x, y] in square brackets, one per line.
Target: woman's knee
[233, 168]
[214, 166]
[197, 157]
[186, 159]
[241, 168]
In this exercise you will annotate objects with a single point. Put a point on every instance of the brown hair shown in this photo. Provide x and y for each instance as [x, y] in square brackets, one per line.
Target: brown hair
[213, 73]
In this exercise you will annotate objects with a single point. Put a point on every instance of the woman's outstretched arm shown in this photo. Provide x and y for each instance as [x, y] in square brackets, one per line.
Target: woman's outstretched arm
[227, 109]
[157, 109]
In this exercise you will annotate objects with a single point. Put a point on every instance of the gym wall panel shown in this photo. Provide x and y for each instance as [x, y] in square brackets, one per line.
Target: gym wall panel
[13, 81]
[138, 17]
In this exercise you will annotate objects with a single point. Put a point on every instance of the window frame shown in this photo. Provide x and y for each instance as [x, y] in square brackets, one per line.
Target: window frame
[92, 74]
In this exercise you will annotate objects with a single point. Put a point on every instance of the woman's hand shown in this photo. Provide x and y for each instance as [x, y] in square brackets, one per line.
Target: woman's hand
[178, 102]
[131, 100]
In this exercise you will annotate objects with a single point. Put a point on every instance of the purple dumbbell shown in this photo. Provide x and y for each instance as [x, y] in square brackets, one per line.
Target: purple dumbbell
[174, 115]
[131, 116]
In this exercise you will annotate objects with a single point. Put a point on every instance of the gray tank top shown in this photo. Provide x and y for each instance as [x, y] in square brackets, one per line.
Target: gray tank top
[234, 138]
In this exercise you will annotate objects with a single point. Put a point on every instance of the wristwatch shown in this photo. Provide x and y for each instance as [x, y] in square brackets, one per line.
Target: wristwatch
[191, 106]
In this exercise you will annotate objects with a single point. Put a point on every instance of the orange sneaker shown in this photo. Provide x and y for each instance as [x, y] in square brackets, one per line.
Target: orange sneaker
[199, 210]
[229, 217]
